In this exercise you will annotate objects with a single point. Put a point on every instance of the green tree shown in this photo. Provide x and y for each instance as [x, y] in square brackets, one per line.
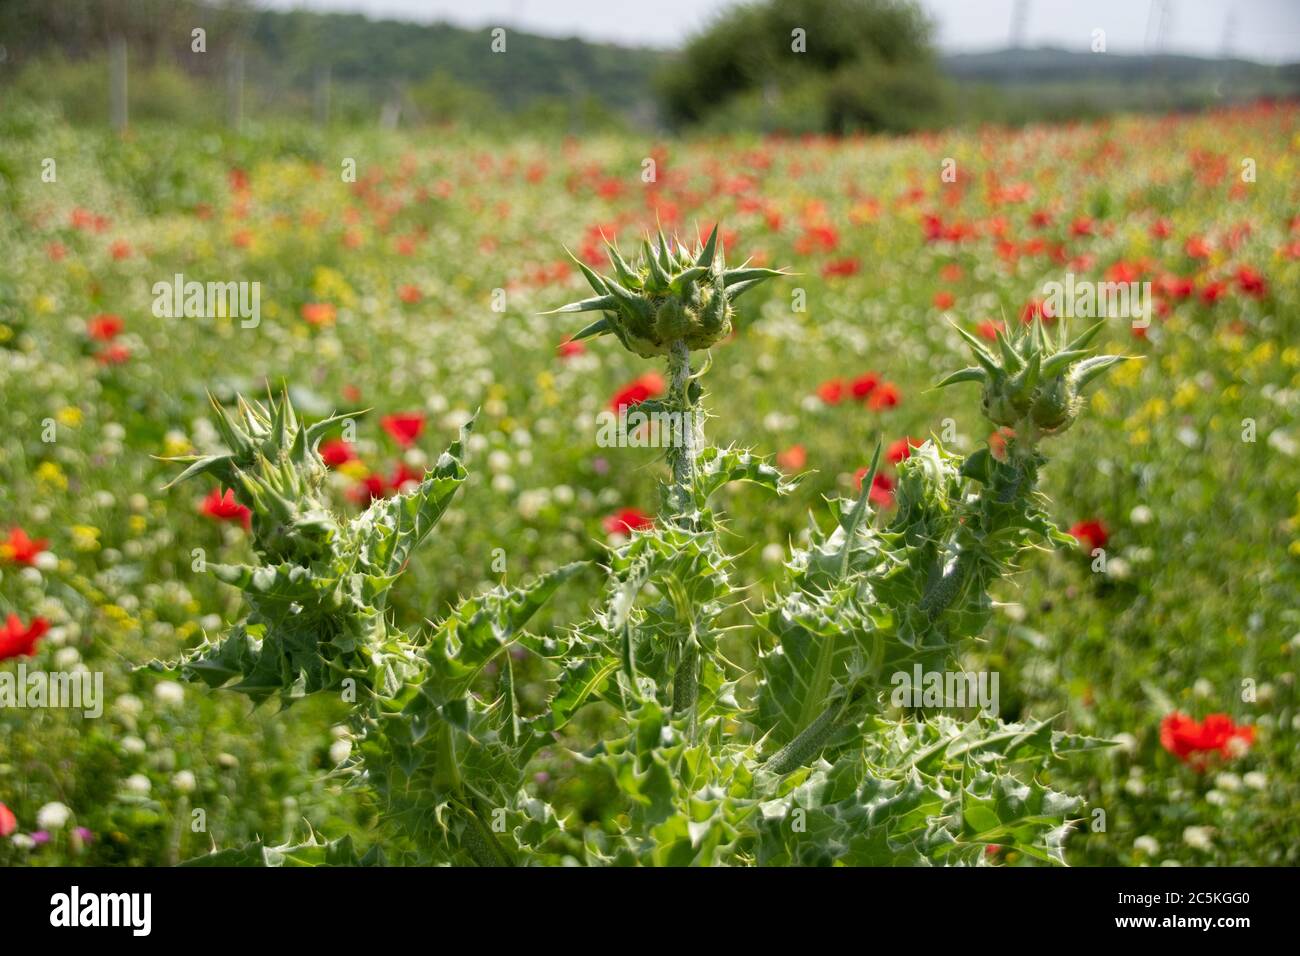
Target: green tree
[808, 65]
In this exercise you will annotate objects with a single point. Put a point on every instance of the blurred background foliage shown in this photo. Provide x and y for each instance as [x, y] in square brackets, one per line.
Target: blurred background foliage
[869, 65]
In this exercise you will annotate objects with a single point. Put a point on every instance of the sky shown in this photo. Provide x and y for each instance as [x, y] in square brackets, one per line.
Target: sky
[1263, 30]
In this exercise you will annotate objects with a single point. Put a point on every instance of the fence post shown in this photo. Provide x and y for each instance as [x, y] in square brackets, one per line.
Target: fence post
[322, 98]
[117, 112]
[235, 87]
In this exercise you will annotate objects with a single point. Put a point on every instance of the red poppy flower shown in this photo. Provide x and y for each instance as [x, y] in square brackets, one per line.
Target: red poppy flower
[989, 329]
[19, 640]
[793, 458]
[21, 549]
[1213, 292]
[950, 272]
[1037, 309]
[403, 475]
[885, 395]
[1197, 248]
[226, 508]
[840, 267]
[1092, 534]
[120, 249]
[367, 490]
[104, 327]
[56, 251]
[862, 386]
[902, 449]
[113, 355]
[409, 294]
[569, 348]
[1190, 740]
[1251, 282]
[998, 442]
[882, 487]
[831, 392]
[404, 428]
[319, 313]
[944, 299]
[626, 521]
[1160, 229]
[649, 385]
[8, 822]
[336, 452]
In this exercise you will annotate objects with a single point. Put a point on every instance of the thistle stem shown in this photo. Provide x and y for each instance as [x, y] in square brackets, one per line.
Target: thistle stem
[687, 438]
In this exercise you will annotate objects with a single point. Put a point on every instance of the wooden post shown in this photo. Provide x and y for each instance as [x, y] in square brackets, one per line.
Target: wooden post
[235, 88]
[322, 98]
[117, 112]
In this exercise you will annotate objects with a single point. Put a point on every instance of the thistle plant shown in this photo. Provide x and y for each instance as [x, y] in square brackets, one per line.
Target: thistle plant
[444, 764]
[670, 301]
[734, 734]
[803, 760]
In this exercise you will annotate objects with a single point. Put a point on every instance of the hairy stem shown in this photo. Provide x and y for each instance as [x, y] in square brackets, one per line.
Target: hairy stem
[809, 742]
[687, 437]
[686, 682]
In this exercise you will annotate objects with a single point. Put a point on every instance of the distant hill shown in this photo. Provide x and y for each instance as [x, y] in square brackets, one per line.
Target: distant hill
[368, 60]
[1024, 84]
[1028, 66]
[381, 54]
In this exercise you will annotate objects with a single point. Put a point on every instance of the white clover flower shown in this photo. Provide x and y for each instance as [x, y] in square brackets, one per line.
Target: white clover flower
[562, 494]
[503, 484]
[1199, 838]
[773, 553]
[1255, 779]
[52, 816]
[184, 782]
[1216, 798]
[66, 658]
[22, 841]
[1202, 688]
[340, 750]
[1147, 845]
[1228, 781]
[1141, 514]
[1128, 744]
[128, 705]
[133, 745]
[1135, 786]
[499, 461]
[169, 693]
[138, 784]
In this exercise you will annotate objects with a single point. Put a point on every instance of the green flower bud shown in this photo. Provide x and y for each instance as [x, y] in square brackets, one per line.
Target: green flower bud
[669, 294]
[1033, 385]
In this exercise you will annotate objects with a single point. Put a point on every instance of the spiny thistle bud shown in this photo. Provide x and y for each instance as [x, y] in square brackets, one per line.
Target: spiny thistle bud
[1032, 384]
[275, 470]
[670, 294]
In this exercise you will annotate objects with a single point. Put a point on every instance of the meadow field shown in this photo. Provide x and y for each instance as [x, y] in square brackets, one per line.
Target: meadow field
[406, 273]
